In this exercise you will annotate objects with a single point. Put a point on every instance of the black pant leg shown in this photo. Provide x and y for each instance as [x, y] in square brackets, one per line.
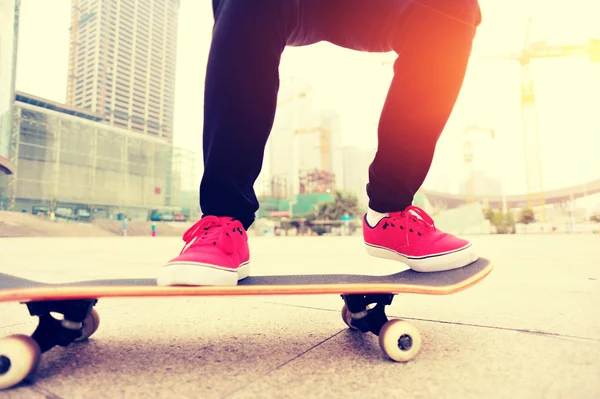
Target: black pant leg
[242, 81]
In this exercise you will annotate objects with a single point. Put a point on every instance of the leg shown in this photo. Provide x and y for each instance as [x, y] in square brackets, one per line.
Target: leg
[242, 81]
[434, 44]
[433, 41]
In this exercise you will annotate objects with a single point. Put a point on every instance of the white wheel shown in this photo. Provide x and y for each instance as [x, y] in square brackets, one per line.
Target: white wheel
[90, 325]
[347, 317]
[19, 357]
[400, 340]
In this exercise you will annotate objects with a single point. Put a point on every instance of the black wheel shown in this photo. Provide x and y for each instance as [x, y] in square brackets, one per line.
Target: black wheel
[19, 358]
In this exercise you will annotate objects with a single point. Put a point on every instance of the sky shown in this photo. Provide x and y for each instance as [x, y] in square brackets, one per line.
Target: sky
[354, 84]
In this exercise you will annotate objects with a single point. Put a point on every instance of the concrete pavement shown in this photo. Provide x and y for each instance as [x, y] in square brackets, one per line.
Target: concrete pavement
[530, 330]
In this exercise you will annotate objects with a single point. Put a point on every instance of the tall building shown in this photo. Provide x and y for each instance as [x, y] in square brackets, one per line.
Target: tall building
[304, 148]
[356, 171]
[332, 152]
[70, 161]
[122, 62]
[9, 26]
[311, 150]
[294, 113]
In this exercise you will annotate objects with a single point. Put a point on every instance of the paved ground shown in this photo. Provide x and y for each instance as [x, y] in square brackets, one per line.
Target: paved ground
[531, 330]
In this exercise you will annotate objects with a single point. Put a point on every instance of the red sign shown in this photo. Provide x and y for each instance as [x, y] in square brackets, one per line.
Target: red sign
[156, 190]
[280, 213]
[5, 166]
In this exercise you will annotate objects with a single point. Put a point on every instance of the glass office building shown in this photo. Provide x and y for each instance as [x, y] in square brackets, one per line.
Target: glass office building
[67, 160]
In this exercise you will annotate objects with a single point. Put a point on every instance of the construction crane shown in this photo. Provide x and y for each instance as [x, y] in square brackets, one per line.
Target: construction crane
[324, 144]
[529, 119]
[298, 95]
[293, 97]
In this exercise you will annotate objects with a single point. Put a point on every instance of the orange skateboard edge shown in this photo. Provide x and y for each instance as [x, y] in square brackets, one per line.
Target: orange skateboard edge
[47, 293]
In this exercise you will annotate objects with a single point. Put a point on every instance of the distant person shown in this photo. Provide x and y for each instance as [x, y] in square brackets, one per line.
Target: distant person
[433, 39]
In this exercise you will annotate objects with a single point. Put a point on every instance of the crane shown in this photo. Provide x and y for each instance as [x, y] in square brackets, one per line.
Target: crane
[324, 146]
[529, 121]
[297, 94]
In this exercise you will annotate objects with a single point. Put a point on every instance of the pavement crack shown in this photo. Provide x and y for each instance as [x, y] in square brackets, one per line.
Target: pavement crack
[299, 306]
[285, 363]
[521, 330]
[17, 324]
[47, 394]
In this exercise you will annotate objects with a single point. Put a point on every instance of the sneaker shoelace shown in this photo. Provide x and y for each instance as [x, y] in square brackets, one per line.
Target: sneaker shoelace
[212, 230]
[416, 215]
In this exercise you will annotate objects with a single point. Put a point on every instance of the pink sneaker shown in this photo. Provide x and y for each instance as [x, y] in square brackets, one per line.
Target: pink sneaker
[216, 253]
[412, 238]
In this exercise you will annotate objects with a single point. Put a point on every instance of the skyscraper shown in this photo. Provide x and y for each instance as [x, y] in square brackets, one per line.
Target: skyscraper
[9, 23]
[356, 171]
[122, 62]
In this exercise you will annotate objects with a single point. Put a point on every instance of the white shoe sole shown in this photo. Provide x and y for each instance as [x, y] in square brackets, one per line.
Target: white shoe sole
[200, 274]
[430, 263]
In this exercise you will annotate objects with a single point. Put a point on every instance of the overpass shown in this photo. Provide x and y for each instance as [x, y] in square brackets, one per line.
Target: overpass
[562, 195]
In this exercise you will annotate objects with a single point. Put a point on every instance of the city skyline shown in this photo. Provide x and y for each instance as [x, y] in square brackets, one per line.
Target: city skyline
[490, 95]
[122, 58]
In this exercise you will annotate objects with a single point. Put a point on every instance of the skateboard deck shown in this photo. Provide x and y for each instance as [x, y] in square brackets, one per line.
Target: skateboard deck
[408, 282]
[364, 296]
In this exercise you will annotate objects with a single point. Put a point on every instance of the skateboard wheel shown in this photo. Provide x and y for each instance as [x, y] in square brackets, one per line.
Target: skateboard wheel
[19, 358]
[347, 317]
[90, 325]
[400, 340]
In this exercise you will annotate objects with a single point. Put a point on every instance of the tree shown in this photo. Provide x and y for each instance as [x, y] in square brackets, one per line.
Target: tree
[343, 204]
[508, 226]
[527, 216]
[503, 222]
[509, 220]
[489, 214]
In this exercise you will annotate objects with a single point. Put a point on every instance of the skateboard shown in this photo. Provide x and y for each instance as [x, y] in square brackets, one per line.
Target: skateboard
[365, 298]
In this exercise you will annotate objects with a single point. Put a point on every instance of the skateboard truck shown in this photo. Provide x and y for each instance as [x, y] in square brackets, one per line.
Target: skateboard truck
[399, 340]
[50, 331]
[20, 354]
[364, 318]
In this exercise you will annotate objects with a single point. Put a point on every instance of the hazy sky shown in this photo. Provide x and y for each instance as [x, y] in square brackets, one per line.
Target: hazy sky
[354, 84]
